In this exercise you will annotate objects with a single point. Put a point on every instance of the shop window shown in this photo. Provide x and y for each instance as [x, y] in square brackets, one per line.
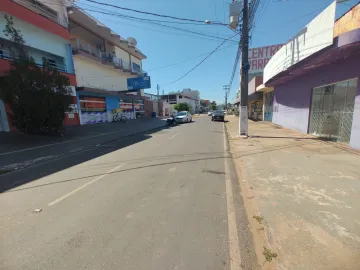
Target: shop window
[126, 105]
[92, 104]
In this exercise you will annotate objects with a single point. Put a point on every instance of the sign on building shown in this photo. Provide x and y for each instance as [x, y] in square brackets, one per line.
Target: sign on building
[259, 57]
[139, 83]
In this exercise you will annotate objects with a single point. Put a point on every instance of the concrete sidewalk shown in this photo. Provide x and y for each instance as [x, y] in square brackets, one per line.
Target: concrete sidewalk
[17, 141]
[302, 196]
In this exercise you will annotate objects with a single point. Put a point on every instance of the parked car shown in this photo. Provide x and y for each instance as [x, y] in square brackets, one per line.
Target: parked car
[210, 113]
[217, 116]
[183, 117]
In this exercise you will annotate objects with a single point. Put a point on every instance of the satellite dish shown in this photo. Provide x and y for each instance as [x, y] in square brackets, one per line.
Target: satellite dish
[132, 41]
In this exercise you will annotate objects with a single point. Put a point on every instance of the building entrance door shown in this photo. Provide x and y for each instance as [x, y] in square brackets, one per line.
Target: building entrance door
[268, 106]
[332, 111]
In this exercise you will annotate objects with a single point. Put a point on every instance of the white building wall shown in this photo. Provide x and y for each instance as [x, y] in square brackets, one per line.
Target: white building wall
[36, 37]
[42, 40]
[136, 61]
[120, 53]
[318, 34]
[97, 75]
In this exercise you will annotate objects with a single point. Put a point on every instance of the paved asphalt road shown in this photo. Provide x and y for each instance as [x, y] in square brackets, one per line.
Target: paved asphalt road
[165, 200]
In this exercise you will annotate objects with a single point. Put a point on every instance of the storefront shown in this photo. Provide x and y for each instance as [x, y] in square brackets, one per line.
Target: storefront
[322, 99]
[100, 106]
[255, 106]
[268, 106]
[92, 109]
[332, 110]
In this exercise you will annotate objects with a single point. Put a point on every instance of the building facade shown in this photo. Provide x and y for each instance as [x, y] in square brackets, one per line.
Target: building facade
[176, 98]
[319, 94]
[195, 95]
[103, 62]
[44, 26]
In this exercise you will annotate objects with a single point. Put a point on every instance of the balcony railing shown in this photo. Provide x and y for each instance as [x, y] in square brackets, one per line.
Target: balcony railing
[119, 63]
[78, 45]
[5, 54]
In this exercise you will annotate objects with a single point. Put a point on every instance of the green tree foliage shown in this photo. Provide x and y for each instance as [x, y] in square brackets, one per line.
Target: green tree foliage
[37, 96]
[182, 107]
[213, 106]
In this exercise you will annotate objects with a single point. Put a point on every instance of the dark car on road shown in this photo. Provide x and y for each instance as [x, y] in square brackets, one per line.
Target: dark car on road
[217, 116]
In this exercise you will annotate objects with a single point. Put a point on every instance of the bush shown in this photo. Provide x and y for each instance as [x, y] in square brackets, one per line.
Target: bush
[182, 107]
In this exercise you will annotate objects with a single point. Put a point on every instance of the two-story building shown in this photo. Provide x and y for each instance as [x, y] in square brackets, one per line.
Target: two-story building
[103, 62]
[174, 98]
[44, 26]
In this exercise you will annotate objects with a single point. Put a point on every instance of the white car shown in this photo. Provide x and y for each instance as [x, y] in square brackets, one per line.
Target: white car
[210, 113]
[183, 117]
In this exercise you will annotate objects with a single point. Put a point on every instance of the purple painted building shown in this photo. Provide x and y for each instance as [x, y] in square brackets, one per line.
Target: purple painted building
[320, 95]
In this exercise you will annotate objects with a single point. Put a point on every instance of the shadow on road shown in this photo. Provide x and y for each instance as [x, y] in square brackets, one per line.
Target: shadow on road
[63, 158]
[219, 156]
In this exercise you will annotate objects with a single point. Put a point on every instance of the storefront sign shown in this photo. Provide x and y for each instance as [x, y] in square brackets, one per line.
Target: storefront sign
[259, 57]
[139, 83]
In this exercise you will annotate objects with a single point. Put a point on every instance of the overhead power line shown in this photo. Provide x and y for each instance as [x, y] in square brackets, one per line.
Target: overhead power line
[202, 61]
[150, 13]
[152, 22]
[193, 58]
[86, 6]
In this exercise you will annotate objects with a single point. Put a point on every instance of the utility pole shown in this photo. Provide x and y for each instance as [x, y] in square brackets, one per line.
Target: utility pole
[226, 89]
[158, 98]
[243, 110]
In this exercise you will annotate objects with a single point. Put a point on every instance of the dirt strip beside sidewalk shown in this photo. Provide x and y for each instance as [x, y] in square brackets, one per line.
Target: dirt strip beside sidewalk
[302, 196]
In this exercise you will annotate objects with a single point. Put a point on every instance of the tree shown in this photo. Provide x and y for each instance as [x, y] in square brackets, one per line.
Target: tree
[213, 106]
[37, 96]
[182, 107]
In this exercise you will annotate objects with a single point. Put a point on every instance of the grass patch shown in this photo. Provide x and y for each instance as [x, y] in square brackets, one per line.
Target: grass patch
[268, 254]
[259, 219]
[3, 171]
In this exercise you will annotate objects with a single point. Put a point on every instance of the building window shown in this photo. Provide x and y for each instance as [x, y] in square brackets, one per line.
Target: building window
[52, 63]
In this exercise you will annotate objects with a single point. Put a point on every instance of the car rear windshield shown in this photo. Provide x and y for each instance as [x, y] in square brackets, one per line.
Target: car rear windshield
[219, 112]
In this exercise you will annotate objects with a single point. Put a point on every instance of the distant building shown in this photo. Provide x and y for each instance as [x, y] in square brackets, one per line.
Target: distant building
[176, 98]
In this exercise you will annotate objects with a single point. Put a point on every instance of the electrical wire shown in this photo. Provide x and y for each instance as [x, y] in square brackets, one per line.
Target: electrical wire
[202, 61]
[158, 24]
[153, 14]
[193, 58]
[80, 5]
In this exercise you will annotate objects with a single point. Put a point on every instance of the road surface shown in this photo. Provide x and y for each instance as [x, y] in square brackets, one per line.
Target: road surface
[165, 200]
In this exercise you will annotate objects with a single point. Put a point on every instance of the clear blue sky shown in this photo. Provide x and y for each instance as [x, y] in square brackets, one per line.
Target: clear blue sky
[164, 46]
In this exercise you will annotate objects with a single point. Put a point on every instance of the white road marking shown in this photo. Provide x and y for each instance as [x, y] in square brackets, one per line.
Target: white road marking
[172, 170]
[52, 144]
[174, 136]
[85, 185]
[235, 259]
